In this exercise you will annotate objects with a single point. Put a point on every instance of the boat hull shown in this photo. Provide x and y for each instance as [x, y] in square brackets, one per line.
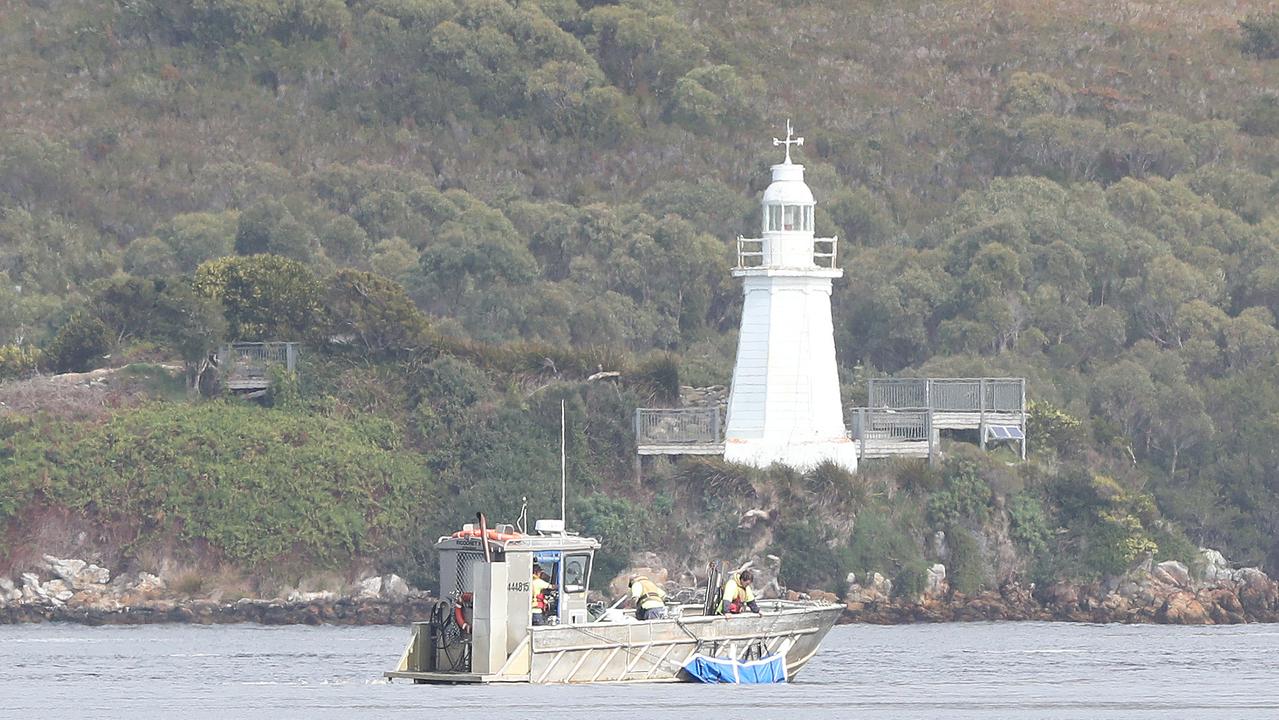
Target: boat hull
[648, 651]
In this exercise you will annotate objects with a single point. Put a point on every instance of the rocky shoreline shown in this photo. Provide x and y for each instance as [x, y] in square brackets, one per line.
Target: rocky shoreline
[1164, 593]
[80, 592]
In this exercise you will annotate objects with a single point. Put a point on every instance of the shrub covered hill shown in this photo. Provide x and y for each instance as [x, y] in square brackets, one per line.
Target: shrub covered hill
[466, 208]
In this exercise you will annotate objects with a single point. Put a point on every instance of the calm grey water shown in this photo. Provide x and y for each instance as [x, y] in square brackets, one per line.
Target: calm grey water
[977, 670]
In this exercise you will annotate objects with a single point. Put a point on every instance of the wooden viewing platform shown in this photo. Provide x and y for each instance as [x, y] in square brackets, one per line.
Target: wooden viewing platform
[246, 366]
[679, 431]
[904, 418]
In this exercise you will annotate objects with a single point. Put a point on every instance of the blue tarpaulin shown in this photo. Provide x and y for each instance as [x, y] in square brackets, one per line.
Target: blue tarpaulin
[770, 669]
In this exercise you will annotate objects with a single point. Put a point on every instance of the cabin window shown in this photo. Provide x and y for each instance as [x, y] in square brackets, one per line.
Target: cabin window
[577, 573]
[808, 218]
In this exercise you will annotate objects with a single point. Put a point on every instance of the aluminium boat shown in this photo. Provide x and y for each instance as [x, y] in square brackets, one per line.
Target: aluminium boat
[481, 630]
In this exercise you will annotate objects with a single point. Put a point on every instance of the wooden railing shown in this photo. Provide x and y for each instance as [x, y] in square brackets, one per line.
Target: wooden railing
[678, 426]
[750, 252]
[956, 403]
[825, 259]
[893, 432]
[997, 395]
[247, 365]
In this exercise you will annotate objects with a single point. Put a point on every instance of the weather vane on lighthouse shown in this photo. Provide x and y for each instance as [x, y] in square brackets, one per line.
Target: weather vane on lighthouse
[788, 141]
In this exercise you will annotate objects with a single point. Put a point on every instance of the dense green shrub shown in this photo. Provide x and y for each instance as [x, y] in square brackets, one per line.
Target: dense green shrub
[911, 581]
[80, 344]
[1261, 35]
[1030, 523]
[809, 562]
[1050, 426]
[18, 360]
[966, 495]
[967, 569]
[882, 541]
[260, 486]
[621, 527]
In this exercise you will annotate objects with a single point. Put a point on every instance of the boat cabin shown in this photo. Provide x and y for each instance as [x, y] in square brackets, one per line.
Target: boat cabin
[493, 595]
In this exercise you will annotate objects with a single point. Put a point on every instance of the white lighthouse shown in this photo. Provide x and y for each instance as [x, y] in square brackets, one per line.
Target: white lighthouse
[784, 405]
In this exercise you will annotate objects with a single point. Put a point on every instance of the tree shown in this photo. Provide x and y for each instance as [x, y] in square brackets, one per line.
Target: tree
[196, 237]
[374, 311]
[189, 323]
[714, 97]
[1261, 35]
[150, 256]
[263, 297]
[269, 227]
[642, 45]
[79, 345]
[1036, 93]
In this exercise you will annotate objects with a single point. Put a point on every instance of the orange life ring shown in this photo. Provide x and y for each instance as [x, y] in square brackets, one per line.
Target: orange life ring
[492, 535]
[459, 616]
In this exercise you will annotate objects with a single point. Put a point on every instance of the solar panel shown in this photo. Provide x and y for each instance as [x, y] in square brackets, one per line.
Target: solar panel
[1004, 432]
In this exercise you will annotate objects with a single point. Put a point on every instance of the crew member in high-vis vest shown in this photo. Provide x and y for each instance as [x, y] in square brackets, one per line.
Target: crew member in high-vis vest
[738, 594]
[539, 586]
[650, 599]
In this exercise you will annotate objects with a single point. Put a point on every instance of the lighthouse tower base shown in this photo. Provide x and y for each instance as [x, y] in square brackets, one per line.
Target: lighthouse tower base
[799, 455]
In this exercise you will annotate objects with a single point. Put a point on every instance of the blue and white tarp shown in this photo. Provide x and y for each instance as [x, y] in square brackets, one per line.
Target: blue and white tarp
[770, 669]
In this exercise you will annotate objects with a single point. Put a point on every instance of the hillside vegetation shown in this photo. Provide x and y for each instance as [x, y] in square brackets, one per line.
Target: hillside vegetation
[465, 208]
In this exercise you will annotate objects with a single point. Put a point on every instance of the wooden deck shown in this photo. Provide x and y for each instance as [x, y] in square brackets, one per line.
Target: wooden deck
[904, 419]
[248, 367]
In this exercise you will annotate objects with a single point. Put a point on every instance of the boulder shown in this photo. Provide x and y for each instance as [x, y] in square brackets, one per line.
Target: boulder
[936, 585]
[1216, 569]
[881, 584]
[1062, 596]
[1182, 608]
[394, 588]
[1117, 606]
[32, 592]
[752, 517]
[1256, 592]
[77, 573]
[56, 591]
[94, 599]
[823, 596]
[9, 592]
[938, 545]
[369, 587]
[311, 597]
[1223, 605]
[1171, 572]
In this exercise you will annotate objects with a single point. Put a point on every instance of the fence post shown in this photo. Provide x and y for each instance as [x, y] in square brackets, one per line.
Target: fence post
[861, 433]
[981, 418]
[1023, 418]
[932, 447]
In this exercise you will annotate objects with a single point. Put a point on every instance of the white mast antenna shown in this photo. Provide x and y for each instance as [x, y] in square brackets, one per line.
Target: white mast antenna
[563, 469]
